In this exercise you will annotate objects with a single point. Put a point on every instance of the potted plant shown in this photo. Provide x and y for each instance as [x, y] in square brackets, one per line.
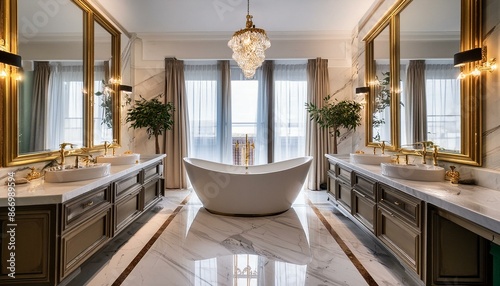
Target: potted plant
[153, 115]
[335, 115]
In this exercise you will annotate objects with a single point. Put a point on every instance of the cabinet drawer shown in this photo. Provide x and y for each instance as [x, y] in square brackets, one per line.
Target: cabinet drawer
[84, 206]
[343, 194]
[151, 193]
[344, 174]
[127, 210]
[152, 172]
[82, 242]
[401, 238]
[406, 206]
[364, 210]
[365, 185]
[127, 185]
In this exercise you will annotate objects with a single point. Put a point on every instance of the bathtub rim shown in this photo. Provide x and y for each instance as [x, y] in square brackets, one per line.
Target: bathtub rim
[305, 160]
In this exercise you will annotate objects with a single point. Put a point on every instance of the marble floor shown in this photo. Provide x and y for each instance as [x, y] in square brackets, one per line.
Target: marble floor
[179, 243]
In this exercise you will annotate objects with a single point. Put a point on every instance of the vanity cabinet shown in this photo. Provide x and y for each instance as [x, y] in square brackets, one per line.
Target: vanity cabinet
[54, 240]
[439, 238]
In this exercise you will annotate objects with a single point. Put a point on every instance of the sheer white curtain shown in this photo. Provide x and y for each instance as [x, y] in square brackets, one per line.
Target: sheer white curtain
[443, 105]
[65, 101]
[382, 132]
[290, 115]
[206, 107]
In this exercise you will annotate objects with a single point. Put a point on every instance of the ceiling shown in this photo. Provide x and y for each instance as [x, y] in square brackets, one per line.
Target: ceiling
[223, 17]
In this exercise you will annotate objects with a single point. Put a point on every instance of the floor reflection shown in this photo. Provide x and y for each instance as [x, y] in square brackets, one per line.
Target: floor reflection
[200, 248]
[252, 250]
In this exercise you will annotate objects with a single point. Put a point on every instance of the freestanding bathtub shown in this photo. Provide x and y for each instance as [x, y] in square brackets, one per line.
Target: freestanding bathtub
[258, 190]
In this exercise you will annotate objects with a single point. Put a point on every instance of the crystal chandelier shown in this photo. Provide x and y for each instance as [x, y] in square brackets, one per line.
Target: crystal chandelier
[248, 46]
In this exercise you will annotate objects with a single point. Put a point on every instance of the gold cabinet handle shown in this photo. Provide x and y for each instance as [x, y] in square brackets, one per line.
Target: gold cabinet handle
[88, 204]
[397, 203]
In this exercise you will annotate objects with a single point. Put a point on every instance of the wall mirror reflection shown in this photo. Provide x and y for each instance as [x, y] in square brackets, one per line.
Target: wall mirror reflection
[381, 100]
[103, 88]
[430, 108]
[51, 96]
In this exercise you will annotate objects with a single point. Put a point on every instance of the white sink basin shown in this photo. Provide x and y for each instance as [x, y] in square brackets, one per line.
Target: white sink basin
[369, 159]
[416, 172]
[69, 173]
[125, 159]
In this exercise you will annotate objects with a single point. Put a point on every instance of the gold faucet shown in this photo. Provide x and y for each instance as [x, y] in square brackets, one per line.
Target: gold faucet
[247, 150]
[380, 145]
[106, 146]
[114, 145]
[435, 155]
[63, 153]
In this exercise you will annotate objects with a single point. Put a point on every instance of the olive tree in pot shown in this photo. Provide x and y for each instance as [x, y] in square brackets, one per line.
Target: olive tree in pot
[335, 115]
[153, 115]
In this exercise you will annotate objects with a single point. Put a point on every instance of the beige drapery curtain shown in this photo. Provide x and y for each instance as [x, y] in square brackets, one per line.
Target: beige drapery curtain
[318, 139]
[41, 77]
[175, 140]
[415, 92]
[225, 131]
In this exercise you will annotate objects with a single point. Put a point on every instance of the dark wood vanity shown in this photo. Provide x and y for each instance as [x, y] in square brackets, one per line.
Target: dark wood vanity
[436, 246]
[53, 240]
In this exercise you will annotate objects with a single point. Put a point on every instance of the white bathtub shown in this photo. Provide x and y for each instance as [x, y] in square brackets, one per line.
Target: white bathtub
[257, 191]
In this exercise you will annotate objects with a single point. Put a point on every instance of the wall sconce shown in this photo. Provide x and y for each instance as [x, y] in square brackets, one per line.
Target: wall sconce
[477, 54]
[7, 60]
[125, 88]
[363, 89]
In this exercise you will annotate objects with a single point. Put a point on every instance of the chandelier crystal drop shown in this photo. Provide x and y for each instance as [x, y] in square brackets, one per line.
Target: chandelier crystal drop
[248, 46]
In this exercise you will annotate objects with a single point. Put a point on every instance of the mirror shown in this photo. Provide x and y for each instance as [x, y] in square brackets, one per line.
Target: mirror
[60, 45]
[103, 88]
[50, 98]
[380, 103]
[430, 91]
[428, 102]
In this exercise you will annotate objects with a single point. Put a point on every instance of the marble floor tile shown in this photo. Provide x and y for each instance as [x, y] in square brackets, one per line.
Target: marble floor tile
[200, 248]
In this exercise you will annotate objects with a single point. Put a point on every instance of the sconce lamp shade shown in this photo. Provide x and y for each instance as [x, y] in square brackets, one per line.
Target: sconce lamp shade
[460, 59]
[10, 59]
[125, 88]
[363, 89]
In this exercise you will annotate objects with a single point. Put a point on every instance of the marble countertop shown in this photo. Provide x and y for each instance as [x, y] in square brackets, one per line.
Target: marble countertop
[474, 203]
[39, 192]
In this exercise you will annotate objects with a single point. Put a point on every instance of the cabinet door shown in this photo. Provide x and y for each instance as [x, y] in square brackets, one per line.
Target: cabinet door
[32, 240]
[403, 239]
[364, 209]
[127, 209]
[343, 194]
[151, 193]
[83, 241]
[458, 256]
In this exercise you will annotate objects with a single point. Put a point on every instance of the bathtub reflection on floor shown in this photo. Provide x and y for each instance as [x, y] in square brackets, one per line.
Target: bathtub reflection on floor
[254, 251]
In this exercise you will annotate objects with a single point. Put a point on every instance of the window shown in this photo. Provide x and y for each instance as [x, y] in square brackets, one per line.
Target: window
[246, 113]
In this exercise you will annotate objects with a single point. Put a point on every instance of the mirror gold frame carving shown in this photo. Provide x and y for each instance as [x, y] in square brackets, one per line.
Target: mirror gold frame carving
[471, 91]
[11, 156]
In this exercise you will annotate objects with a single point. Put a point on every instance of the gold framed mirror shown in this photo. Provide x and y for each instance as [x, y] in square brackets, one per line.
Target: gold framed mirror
[449, 114]
[55, 102]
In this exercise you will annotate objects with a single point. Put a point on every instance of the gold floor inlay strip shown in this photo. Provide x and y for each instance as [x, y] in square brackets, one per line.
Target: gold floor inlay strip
[150, 243]
[362, 270]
